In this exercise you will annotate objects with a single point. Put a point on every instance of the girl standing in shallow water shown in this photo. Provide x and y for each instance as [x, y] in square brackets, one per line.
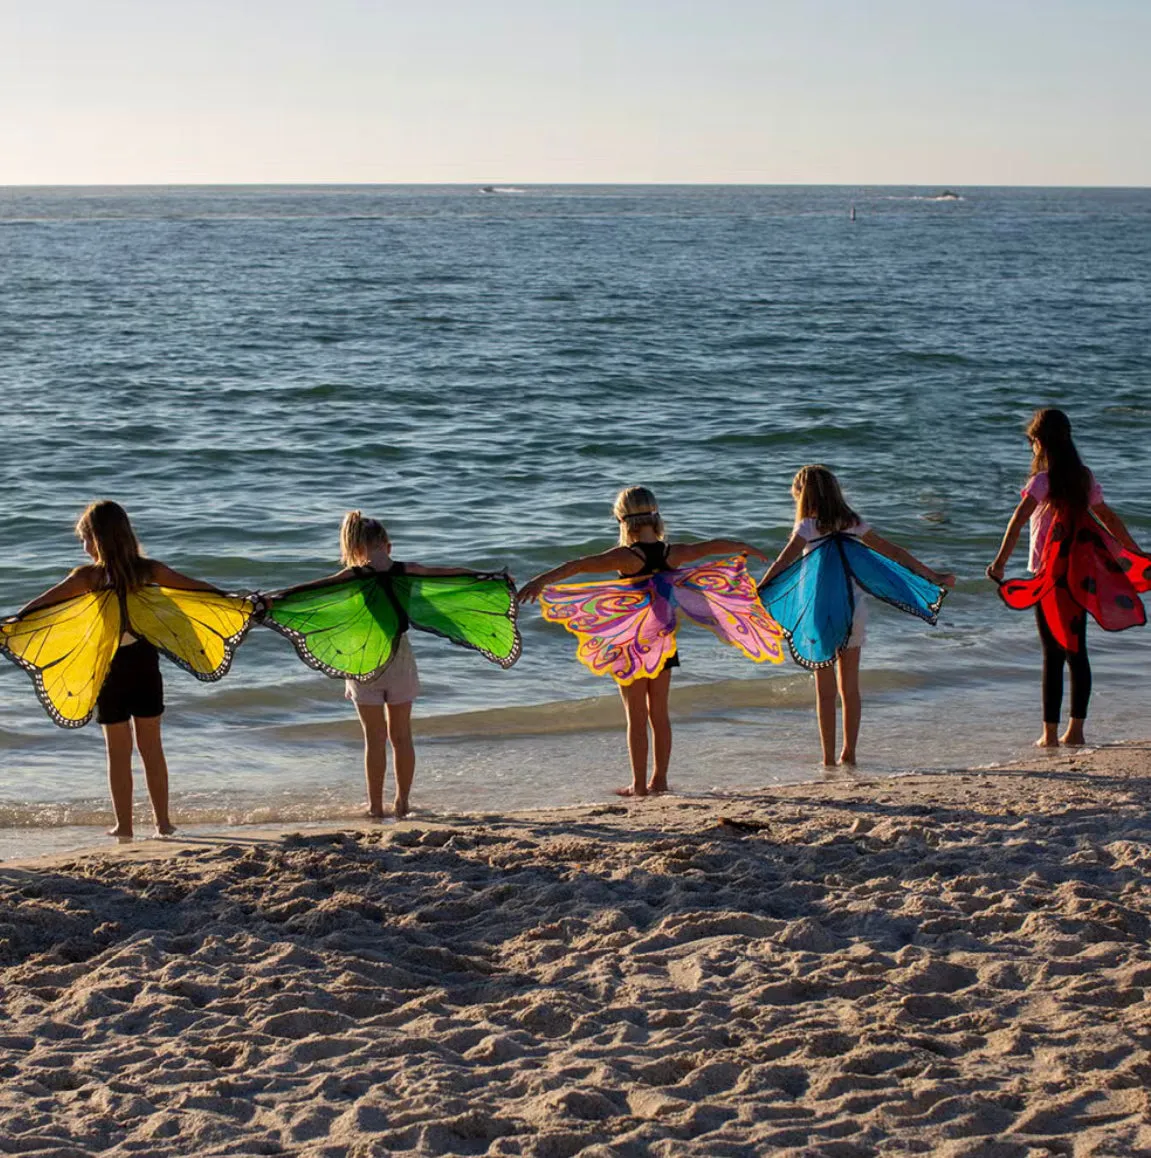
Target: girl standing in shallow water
[131, 700]
[384, 704]
[1060, 487]
[822, 512]
[642, 551]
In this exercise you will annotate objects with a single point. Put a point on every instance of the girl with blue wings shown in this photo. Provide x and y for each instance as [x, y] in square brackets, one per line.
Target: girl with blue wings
[814, 591]
[92, 644]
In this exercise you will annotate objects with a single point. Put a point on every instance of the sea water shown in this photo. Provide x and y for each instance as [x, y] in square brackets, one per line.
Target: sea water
[483, 371]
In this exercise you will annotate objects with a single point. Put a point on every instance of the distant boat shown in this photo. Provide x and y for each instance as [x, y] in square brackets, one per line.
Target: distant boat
[947, 195]
[487, 188]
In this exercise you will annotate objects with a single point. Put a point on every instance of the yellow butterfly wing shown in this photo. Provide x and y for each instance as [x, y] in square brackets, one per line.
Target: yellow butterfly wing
[199, 630]
[66, 648]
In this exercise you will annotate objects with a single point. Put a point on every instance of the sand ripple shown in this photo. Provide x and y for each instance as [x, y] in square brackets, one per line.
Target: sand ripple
[951, 965]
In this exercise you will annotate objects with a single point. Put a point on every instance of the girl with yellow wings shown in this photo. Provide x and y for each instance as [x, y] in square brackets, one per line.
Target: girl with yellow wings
[91, 645]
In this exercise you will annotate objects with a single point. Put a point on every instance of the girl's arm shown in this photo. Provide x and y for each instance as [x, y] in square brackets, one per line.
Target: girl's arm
[346, 573]
[78, 583]
[792, 549]
[421, 569]
[1011, 537]
[166, 577]
[907, 559]
[614, 560]
[683, 553]
[1115, 525]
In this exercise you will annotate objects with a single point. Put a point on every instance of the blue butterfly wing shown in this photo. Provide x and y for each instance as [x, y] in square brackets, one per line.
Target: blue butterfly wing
[814, 604]
[892, 582]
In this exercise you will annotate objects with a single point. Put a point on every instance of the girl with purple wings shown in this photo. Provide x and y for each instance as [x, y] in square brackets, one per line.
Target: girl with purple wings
[627, 627]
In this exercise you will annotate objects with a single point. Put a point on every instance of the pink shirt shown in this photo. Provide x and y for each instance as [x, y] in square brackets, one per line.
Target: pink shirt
[1037, 488]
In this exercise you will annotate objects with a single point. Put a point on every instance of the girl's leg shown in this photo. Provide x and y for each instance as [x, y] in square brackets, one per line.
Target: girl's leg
[635, 705]
[375, 726]
[118, 742]
[403, 753]
[825, 711]
[1053, 659]
[848, 667]
[1080, 668]
[155, 769]
[657, 695]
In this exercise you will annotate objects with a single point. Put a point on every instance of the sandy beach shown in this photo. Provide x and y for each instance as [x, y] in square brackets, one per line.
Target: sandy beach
[950, 964]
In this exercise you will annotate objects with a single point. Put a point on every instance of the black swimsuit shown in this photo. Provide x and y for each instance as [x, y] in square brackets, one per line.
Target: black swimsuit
[654, 556]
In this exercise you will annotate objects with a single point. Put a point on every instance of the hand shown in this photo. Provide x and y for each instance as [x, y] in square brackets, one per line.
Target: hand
[945, 579]
[995, 572]
[758, 554]
[529, 592]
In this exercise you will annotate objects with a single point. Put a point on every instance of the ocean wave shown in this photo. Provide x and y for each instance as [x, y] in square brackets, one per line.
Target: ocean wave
[601, 713]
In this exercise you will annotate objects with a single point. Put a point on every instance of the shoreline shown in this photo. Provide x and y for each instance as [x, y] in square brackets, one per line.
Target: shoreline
[946, 963]
[825, 782]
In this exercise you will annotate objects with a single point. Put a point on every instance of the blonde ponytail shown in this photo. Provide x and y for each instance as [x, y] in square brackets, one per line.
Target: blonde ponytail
[358, 536]
[635, 508]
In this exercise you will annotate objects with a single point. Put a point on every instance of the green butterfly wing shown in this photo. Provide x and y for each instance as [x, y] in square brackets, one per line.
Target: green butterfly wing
[475, 611]
[345, 628]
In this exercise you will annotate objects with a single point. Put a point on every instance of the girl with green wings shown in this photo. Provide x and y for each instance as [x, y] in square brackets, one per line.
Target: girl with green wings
[353, 625]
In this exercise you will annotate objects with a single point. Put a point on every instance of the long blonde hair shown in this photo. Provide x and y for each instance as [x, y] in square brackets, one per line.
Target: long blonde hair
[818, 496]
[358, 537]
[634, 509]
[106, 527]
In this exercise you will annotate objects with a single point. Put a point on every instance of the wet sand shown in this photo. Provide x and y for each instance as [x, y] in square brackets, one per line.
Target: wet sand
[950, 964]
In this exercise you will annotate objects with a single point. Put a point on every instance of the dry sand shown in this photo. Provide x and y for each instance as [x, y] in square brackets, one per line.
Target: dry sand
[951, 964]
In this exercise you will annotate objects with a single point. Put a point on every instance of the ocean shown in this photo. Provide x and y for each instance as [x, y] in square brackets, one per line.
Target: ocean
[483, 371]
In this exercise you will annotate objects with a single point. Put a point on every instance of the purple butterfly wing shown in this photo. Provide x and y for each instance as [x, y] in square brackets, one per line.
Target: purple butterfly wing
[625, 628]
[722, 597]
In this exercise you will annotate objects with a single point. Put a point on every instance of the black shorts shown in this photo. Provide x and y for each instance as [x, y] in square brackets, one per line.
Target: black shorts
[133, 687]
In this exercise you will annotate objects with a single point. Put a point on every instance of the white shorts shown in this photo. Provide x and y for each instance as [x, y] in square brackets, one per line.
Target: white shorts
[858, 636]
[398, 683]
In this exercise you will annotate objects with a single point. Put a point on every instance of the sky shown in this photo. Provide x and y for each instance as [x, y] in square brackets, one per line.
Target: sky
[859, 92]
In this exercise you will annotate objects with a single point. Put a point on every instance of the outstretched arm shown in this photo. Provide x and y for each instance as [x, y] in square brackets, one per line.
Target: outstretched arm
[78, 583]
[907, 559]
[792, 549]
[682, 554]
[166, 577]
[1010, 538]
[614, 560]
[1115, 525]
[421, 569]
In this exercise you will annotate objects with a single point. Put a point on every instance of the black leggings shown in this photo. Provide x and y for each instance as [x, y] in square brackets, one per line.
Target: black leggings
[1054, 657]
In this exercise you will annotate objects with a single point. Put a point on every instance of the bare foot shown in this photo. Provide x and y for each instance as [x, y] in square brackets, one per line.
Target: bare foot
[1047, 742]
[631, 790]
[846, 757]
[1073, 737]
[165, 829]
[372, 814]
[400, 808]
[657, 788]
[120, 831]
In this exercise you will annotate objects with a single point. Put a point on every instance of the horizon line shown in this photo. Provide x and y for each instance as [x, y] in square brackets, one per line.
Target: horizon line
[325, 183]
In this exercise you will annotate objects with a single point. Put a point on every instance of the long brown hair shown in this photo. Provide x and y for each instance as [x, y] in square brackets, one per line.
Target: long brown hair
[818, 496]
[359, 536]
[105, 525]
[1069, 481]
